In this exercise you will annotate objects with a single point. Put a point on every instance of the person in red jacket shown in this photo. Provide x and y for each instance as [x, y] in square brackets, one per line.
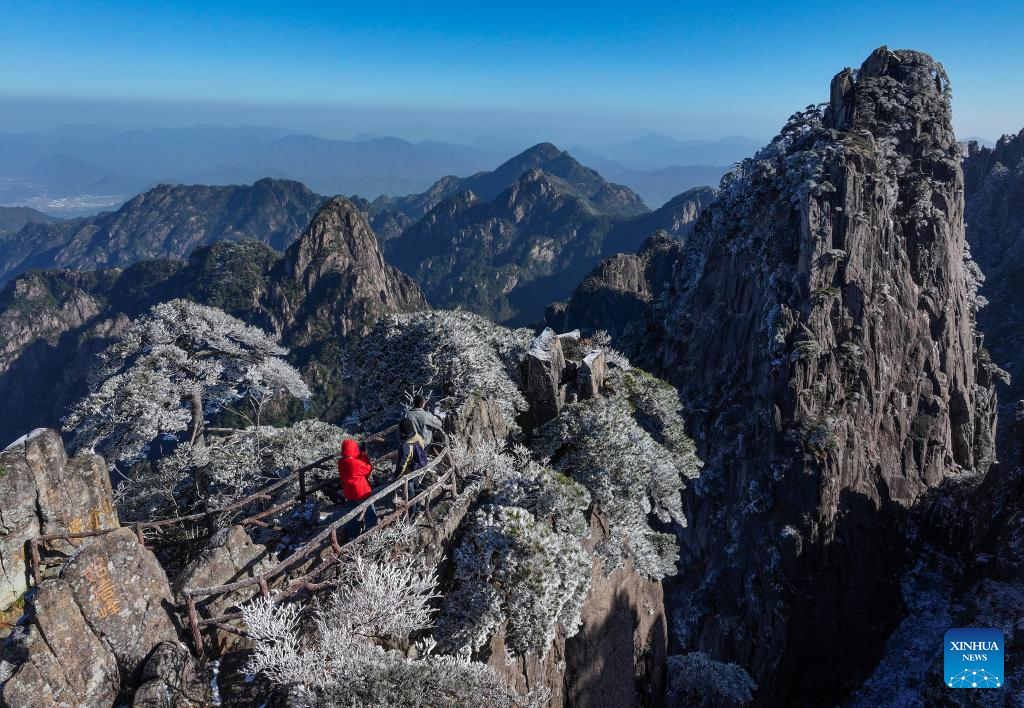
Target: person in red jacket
[354, 469]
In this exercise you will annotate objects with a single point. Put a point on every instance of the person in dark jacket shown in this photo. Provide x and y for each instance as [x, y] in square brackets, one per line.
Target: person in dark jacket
[354, 470]
[412, 455]
[423, 420]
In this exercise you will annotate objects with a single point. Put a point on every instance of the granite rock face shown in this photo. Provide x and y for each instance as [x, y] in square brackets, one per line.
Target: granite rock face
[173, 678]
[42, 491]
[124, 595]
[93, 628]
[67, 664]
[821, 329]
[541, 372]
[619, 290]
[994, 212]
[229, 556]
[334, 279]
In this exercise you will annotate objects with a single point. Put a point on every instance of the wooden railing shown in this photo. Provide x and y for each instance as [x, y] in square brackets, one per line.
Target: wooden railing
[307, 581]
[315, 579]
[140, 528]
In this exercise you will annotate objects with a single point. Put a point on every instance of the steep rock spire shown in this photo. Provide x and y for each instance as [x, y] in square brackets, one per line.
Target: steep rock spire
[821, 328]
[333, 279]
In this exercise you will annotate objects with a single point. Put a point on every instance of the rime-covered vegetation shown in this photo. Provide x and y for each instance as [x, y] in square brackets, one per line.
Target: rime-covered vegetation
[451, 354]
[695, 679]
[521, 565]
[631, 452]
[152, 391]
[169, 370]
[346, 649]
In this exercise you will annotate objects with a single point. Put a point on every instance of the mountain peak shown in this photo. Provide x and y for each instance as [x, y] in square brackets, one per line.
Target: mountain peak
[334, 278]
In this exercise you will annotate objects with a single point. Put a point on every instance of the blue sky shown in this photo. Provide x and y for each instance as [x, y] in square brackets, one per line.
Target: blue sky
[692, 70]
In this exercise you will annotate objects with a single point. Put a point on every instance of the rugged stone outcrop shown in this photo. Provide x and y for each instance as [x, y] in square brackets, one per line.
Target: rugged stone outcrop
[334, 279]
[172, 677]
[229, 556]
[168, 221]
[541, 372]
[478, 420]
[969, 572]
[994, 213]
[615, 660]
[44, 492]
[124, 596]
[93, 628]
[66, 663]
[590, 375]
[821, 330]
[619, 290]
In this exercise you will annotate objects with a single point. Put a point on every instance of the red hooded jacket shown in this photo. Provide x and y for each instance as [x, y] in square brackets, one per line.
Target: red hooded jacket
[353, 469]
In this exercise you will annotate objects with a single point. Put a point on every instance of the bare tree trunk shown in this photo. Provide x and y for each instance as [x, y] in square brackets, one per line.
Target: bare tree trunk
[198, 436]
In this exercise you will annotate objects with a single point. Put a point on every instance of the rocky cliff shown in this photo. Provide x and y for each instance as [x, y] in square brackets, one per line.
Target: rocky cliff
[334, 279]
[994, 212]
[821, 328]
[619, 290]
[168, 221]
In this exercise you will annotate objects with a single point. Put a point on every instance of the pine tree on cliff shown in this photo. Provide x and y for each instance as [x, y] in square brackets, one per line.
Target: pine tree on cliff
[171, 368]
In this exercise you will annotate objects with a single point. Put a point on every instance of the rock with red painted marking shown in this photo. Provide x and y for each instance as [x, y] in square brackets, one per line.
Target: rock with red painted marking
[124, 596]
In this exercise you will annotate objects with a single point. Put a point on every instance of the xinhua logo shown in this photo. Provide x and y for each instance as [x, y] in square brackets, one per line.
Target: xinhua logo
[974, 658]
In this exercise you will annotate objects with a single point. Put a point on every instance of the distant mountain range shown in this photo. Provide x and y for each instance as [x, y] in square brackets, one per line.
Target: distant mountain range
[503, 243]
[506, 243]
[13, 219]
[80, 171]
[169, 221]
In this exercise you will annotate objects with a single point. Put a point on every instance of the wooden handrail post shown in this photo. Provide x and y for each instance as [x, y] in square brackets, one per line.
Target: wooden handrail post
[193, 622]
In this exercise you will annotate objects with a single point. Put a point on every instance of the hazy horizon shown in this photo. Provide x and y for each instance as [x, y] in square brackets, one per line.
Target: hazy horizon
[570, 74]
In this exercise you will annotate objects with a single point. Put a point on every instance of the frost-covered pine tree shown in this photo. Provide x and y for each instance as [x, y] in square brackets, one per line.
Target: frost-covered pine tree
[169, 370]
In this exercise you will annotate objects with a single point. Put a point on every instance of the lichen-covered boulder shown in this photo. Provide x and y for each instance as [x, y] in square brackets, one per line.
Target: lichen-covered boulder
[124, 596]
[44, 492]
[67, 664]
[479, 420]
[173, 678]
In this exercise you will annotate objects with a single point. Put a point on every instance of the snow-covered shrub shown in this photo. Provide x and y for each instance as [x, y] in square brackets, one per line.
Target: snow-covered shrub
[698, 680]
[454, 354]
[487, 458]
[169, 369]
[342, 652]
[552, 497]
[514, 570]
[631, 452]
